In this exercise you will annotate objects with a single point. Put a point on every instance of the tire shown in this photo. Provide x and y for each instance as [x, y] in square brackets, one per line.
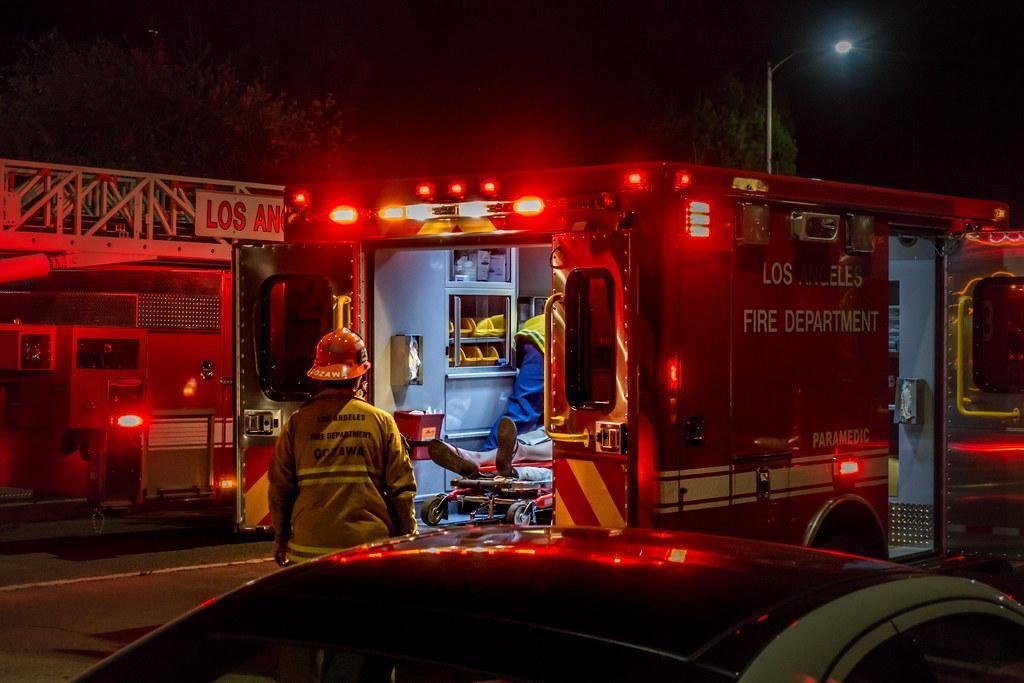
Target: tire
[522, 513]
[435, 509]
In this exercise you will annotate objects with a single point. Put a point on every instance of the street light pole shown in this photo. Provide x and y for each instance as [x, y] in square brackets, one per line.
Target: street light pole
[842, 47]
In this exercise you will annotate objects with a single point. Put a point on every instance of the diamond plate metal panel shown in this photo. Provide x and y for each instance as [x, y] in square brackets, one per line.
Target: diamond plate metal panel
[179, 312]
[68, 308]
[911, 524]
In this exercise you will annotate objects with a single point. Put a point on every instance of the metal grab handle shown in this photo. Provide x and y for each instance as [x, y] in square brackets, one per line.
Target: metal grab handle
[552, 421]
[961, 373]
[342, 311]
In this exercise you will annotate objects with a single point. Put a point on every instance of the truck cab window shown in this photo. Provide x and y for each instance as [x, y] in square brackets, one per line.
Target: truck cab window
[999, 335]
[590, 339]
[296, 312]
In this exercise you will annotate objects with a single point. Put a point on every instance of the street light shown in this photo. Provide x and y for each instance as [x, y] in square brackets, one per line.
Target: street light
[842, 47]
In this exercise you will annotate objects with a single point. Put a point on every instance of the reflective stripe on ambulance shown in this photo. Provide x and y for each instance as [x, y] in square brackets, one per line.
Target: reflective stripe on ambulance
[590, 493]
[711, 487]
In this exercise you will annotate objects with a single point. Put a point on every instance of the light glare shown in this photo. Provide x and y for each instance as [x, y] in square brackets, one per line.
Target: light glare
[528, 206]
[844, 46]
[344, 214]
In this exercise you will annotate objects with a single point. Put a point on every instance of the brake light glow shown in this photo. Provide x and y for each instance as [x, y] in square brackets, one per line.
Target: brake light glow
[528, 206]
[425, 190]
[129, 421]
[635, 178]
[392, 213]
[489, 188]
[457, 189]
[698, 219]
[683, 179]
[344, 215]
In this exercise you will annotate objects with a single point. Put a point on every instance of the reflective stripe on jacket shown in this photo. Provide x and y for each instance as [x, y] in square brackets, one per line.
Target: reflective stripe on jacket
[340, 477]
[532, 331]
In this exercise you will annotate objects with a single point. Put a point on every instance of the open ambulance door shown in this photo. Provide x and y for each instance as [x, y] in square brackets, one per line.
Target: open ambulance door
[983, 475]
[589, 379]
[287, 296]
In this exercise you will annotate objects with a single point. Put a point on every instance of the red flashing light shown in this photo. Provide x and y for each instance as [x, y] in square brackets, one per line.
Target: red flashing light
[635, 178]
[673, 374]
[528, 206]
[299, 199]
[698, 219]
[683, 179]
[425, 190]
[489, 188]
[344, 215]
[457, 189]
[129, 421]
[847, 468]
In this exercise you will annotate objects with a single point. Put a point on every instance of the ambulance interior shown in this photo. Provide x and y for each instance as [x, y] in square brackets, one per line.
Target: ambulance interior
[914, 265]
[442, 327]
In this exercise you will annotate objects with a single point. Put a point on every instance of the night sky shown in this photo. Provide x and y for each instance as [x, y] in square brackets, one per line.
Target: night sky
[931, 99]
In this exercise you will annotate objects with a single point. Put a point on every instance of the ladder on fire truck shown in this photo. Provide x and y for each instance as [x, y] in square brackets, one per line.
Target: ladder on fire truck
[56, 216]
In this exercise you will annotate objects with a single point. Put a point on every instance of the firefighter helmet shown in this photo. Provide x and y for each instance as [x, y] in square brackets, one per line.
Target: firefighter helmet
[340, 355]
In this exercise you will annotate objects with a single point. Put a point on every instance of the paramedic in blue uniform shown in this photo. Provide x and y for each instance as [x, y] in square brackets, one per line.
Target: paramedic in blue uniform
[524, 413]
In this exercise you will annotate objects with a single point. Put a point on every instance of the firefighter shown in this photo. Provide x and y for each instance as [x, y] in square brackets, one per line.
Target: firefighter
[340, 475]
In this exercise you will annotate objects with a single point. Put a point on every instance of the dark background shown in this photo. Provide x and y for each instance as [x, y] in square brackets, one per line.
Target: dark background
[930, 100]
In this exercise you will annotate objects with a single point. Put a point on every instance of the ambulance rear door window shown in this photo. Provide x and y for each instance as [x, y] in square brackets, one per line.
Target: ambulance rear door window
[590, 339]
[999, 335]
[296, 312]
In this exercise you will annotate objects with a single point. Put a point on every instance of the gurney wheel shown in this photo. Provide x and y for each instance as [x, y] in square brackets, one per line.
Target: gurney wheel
[522, 513]
[435, 509]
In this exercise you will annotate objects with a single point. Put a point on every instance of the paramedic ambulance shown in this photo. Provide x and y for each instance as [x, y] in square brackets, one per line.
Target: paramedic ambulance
[804, 361]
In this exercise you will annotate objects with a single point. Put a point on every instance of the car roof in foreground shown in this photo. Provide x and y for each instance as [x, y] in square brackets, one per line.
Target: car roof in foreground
[667, 591]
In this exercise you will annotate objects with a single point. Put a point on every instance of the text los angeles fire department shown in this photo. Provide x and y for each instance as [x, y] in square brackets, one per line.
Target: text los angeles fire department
[803, 320]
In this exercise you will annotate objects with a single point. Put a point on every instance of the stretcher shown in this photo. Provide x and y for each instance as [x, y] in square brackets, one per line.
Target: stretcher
[495, 499]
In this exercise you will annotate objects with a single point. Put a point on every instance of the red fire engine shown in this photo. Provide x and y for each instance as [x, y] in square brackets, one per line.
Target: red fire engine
[115, 343]
[789, 359]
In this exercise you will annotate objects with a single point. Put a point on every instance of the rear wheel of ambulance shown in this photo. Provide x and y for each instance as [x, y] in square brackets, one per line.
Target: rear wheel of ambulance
[435, 509]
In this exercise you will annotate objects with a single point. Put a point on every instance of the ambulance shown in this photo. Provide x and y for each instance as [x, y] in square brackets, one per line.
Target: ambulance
[812, 362]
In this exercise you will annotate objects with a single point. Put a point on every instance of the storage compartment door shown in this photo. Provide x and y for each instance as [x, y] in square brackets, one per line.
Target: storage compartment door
[984, 469]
